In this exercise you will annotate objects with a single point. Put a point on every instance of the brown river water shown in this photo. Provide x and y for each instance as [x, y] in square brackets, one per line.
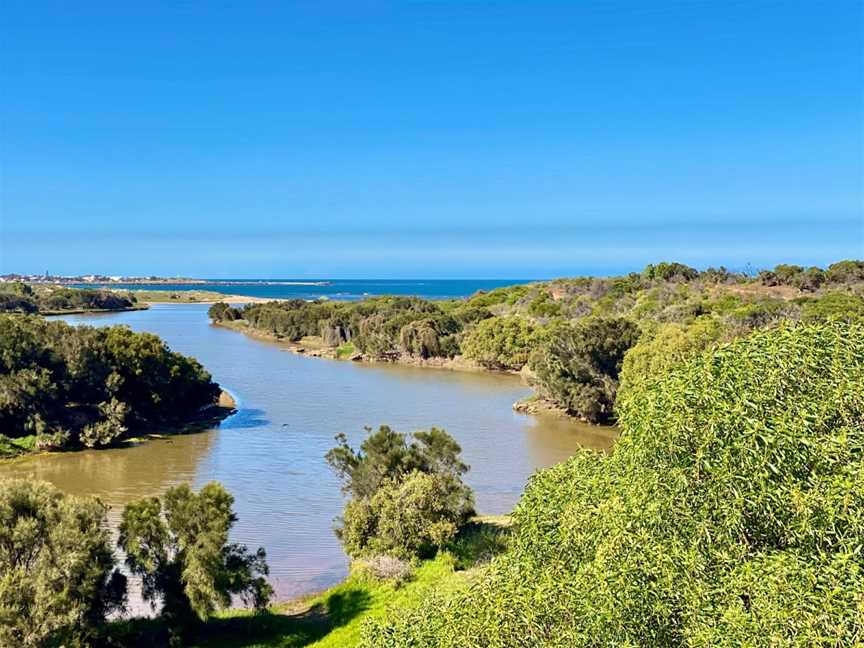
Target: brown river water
[270, 454]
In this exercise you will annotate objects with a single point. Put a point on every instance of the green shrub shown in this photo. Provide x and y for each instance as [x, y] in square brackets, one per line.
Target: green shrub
[57, 578]
[833, 305]
[664, 346]
[411, 516]
[408, 499]
[577, 366]
[501, 342]
[730, 513]
[89, 384]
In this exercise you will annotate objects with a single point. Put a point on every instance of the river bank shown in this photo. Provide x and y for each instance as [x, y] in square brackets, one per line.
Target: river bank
[314, 347]
[290, 408]
[94, 311]
[225, 406]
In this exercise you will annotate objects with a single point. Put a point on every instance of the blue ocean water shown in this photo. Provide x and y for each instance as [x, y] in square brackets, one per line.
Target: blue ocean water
[340, 289]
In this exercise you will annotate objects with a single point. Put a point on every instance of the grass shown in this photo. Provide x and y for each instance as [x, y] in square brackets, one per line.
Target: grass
[346, 350]
[335, 618]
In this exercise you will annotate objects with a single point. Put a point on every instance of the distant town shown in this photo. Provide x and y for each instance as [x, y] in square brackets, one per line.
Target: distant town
[96, 279]
[100, 280]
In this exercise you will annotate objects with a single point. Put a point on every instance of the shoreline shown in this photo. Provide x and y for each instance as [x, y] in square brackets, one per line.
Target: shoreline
[312, 348]
[208, 416]
[94, 311]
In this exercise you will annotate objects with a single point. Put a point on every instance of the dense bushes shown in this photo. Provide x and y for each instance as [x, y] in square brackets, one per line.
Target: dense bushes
[408, 498]
[19, 297]
[730, 513]
[69, 384]
[502, 342]
[550, 323]
[57, 577]
[577, 366]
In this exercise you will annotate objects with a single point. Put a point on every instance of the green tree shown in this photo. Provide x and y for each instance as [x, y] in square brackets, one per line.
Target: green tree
[425, 472]
[57, 576]
[577, 366]
[664, 346]
[178, 545]
[407, 517]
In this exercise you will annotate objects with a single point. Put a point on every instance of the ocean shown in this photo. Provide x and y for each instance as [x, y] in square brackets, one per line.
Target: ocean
[340, 289]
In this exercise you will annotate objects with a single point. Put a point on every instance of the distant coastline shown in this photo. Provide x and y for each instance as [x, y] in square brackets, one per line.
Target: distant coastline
[106, 280]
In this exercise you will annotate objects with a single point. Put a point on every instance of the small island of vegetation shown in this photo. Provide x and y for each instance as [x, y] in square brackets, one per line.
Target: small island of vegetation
[65, 386]
[18, 297]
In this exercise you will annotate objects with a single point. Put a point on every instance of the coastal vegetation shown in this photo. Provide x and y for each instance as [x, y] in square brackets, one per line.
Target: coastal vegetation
[408, 499]
[65, 386]
[59, 578]
[18, 297]
[178, 546]
[570, 337]
[729, 513]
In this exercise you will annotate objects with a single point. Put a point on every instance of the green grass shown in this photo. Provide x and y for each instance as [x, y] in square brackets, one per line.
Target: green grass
[346, 350]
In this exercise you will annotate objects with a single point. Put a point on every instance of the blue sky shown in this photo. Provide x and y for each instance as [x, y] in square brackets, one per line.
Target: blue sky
[428, 139]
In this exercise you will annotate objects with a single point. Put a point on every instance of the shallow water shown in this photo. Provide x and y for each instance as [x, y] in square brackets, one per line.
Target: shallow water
[270, 454]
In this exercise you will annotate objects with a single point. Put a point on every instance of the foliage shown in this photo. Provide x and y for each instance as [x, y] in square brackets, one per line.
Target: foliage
[57, 581]
[665, 271]
[179, 547]
[502, 342]
[833, 305]
[19, 297]
[662, 347]
[408, 498]
[577, 366]
[794, 275]
[407, 517]
[846, 272]
[387, 454]
[730, 513]
[89, 385]
[222, 312]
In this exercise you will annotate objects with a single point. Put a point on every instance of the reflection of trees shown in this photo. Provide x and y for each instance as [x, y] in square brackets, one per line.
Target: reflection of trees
[552, 439]
[119, 475]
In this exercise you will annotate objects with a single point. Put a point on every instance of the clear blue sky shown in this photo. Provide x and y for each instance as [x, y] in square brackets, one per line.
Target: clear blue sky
[428, 138]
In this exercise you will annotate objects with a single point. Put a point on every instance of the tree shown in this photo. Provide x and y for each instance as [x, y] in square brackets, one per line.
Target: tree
[387, 454]
[90, 385]
[423, 477]
[577, 366]
[178, 545]
[406, 517]
[57, 577]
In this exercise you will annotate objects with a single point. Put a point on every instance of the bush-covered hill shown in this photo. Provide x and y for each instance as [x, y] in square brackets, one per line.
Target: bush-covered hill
[570, 335]
[17, 297]
[730, 513]
[64, 385]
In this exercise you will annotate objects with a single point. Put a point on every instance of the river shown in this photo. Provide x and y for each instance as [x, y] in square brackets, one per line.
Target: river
[270, 454]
